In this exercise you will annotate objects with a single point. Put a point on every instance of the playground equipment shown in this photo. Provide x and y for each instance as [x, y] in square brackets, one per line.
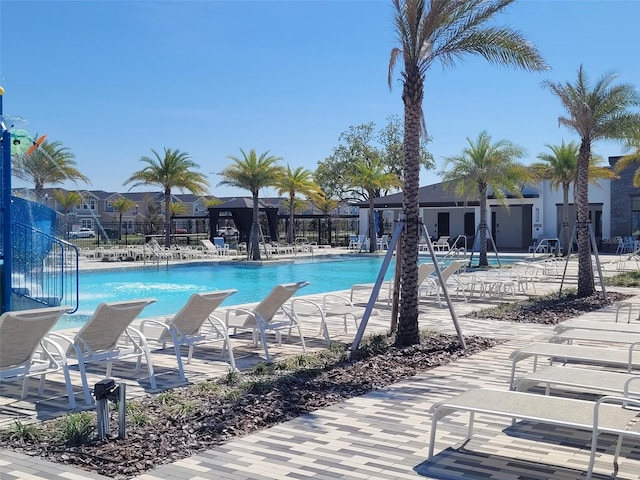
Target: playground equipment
[37, 269]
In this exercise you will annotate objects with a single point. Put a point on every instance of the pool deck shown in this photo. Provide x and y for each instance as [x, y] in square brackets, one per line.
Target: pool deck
[381, 435]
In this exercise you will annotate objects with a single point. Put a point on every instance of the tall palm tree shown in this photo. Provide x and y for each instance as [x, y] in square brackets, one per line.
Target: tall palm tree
[67, 201]
[121, 205]
[560, 168]
[173, 170]
[51, 163]
[484, 166]
[632, 146]
[326, 205]
[252, 172]
[597, 112]
[371, 177]
[444, 30]
[293, 182]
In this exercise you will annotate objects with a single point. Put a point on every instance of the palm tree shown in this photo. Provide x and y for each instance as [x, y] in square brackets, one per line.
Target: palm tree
[293, 182]
[253, 172]
[173, 170]
[594, 113]
[326, 205]
[560, 168]
[51, 163]
[444, 30]
[67, 201]
[633, 146]
[371, 177]
[121, 205]
[484, 166]
[176, 208]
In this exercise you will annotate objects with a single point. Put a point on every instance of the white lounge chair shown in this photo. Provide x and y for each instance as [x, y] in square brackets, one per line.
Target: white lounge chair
[614, 415]
[108, 336]
[332, 305]
[446, 273]
[590, 380]
[442, 244]
[194, 325]
[210, 248]
[556, 352]
[600, 336]
[26, 352]
[425, 284]
[269, 315]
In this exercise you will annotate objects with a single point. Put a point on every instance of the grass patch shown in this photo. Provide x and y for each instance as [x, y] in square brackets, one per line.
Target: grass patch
[626, 279]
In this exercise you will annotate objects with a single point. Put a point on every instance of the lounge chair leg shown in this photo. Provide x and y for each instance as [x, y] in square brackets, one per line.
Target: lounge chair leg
[179, 361]
[152, 375]
[70, 394]
[25, 387]
[615, 458]
[85, 384]
[263, 338]
[232, 360]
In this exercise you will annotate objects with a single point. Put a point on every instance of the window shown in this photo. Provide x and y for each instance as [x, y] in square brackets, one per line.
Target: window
[86, 223]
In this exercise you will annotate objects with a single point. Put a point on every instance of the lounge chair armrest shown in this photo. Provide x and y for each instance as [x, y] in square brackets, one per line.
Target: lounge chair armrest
[627, 386]
[632, 347]
[305, 302]
[336, 297]
[54, 337]
[48, 344]
[234, 313]
[152, 322]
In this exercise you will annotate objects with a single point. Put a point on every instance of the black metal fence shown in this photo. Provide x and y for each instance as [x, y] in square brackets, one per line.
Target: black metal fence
[333, 231]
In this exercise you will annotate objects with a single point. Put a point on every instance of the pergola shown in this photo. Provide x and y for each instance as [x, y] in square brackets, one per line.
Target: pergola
[241, 210]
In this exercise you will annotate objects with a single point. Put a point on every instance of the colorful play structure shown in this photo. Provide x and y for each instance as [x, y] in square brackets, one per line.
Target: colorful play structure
[37, 269]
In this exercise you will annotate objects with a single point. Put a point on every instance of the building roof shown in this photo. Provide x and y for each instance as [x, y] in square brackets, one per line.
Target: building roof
[441, 195]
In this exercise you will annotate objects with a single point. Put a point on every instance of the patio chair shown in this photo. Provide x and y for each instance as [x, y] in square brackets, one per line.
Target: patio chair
[108, 336]
[269, 315]
[589, 379]
[623, 358]
[446, 273]
[332, 305]
[210, 248]
[611, 415]
[193, 325]
[442, 245]
[26, 351]
[223, 248]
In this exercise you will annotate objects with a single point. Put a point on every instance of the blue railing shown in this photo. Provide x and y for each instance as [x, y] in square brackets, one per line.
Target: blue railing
[44, 268]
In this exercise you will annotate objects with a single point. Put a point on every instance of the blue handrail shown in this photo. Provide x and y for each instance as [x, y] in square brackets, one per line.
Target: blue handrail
[44, 268]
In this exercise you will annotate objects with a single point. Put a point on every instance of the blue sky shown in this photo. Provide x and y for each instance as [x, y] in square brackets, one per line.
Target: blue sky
[112, 80]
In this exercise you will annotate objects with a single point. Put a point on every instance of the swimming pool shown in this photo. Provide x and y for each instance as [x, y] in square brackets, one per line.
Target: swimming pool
[173, 285]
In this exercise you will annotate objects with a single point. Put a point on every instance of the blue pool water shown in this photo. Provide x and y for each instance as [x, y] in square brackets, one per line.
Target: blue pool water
[172, 286]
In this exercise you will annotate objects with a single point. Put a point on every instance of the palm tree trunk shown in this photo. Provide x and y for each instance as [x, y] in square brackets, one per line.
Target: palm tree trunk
[291, 231]
[585, 269]
[167, 218]
[566, 241]
[412, 96]
[255, 230]
[373, 238]
[483, 262]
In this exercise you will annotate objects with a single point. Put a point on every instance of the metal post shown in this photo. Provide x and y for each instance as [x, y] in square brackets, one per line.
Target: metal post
[122, 410]
[102, 409]
[6, 211]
